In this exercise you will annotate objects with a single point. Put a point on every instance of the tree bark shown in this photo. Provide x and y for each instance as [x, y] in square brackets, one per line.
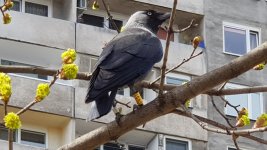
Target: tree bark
[112, 131]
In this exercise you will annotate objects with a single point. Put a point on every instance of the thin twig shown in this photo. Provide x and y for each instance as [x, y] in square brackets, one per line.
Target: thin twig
[10, 139]
[5, 108]
[124, 104]
[39, 71]
[177, 66]
[222, 86]
[216, 108]
[110, 17]
[234, 137]
[36, 101]
[165, 58]
[218, 125]
[227, 103]
[186, 28]
[26, 107]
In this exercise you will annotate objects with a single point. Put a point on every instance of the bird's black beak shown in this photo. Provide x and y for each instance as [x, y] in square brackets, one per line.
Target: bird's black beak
[164, 16]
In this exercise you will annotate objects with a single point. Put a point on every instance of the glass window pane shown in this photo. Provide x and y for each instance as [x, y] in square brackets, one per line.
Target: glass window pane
[256, 106]
[33, 138]
[118, 24]
[176, 145]
[112, 146]
[175, 81]
[241, 99]
[36, 9]
[235, 41]
[131, 147]
[92, 20]
[17, 5]
[4, 134]
[253, 40]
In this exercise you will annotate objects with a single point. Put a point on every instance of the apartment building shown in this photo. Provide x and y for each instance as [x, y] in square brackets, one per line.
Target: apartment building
[42, 29]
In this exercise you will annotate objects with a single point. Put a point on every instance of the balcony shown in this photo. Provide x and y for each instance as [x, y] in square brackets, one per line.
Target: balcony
[96, 38]
[193, 6]
[60, 100]
[39, 30]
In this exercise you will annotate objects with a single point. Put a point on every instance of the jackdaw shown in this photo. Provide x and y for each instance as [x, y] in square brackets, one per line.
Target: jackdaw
[126, 59]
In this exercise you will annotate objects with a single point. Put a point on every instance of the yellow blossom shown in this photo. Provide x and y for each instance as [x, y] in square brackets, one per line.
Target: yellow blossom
[42, 91]
[243, 111]
[68, 56]
[259, 66]
[12, 121]
[69, 71]
[187, 103]
[4, 79]
[243, 121]
[261, 121]
[9, 4]
[95, 5]
[5, 92]
[7, 18]
[196, 41]
[122, 28]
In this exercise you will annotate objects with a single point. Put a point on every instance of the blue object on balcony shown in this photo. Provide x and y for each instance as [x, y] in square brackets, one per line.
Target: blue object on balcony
[201, 44]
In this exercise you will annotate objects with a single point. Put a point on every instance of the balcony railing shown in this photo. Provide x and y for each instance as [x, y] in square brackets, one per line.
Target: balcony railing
[39, 30]
[60, 100]
[194, 6]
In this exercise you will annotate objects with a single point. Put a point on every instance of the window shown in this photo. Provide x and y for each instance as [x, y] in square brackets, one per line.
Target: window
[172, 144]
[17, 5]
[92, 20]
[112, 146]
[33, 138]
[4, 134]
[82, 4]
[253, 102]
[238, 40]
[7, 62]
[37, 9]
[132, 147]
[177, 79]
[118, 24]
[99, 21]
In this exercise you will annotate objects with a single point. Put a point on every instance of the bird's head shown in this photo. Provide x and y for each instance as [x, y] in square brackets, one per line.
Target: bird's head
[149, 19]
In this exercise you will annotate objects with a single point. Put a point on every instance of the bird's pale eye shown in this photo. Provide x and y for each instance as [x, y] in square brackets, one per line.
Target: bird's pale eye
[149, 13]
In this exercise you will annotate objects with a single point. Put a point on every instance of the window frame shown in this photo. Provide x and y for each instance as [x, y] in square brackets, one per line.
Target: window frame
[35, 130]
[249, 100]
[116, 16]
[49, 4]
[179, 76]
[247, 29]
[177, 139]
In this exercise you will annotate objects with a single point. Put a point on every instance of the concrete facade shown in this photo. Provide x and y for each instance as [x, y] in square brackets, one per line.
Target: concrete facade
[39, 41]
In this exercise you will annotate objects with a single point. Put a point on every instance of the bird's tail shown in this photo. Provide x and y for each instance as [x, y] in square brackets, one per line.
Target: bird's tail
[102, 105]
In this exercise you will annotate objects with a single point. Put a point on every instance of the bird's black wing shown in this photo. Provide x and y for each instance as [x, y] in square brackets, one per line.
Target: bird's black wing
[126, 58]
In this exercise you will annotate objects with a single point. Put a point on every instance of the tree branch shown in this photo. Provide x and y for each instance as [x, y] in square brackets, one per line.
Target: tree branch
[218, 125]
[112, 131]
[165, 57]
[39, 70]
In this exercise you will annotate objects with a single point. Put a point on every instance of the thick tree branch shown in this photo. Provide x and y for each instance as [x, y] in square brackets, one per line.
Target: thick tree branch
[112, 131]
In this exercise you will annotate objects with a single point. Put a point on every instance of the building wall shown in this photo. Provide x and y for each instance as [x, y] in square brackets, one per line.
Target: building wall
[249, 13]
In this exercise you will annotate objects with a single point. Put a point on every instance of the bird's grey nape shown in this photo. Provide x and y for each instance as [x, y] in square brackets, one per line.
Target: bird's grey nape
[93, 113]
